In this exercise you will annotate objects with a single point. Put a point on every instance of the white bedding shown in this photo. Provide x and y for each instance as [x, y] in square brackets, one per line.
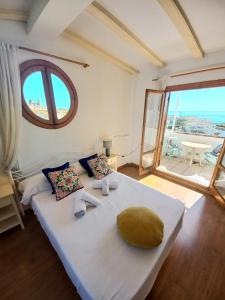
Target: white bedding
[100, 264]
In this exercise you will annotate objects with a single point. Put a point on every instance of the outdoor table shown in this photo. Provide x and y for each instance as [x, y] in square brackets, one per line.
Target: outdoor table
[195, 148]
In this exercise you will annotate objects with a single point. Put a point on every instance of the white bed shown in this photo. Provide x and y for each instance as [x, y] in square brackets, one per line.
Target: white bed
[99, 263]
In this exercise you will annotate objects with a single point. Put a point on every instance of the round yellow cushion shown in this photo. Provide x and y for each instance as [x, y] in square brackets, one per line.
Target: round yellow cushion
[140, 226]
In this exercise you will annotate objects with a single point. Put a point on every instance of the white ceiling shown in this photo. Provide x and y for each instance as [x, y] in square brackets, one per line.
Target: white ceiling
[148, 21]
[151, 24]
[93, 30]
[207, 17]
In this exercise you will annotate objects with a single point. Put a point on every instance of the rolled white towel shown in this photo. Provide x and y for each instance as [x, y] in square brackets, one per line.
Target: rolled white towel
[79, 205]
[86, 197]
[105, 187]
[97, 184]
[113, 185]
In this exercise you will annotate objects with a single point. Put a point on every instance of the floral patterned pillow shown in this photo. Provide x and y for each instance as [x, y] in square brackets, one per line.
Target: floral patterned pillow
[65, 182]
[99, 166]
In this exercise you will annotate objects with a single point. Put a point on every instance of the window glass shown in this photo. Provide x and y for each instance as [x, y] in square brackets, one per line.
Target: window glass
[197, 112]
[61, 96]
[49, 98]
[34, 95]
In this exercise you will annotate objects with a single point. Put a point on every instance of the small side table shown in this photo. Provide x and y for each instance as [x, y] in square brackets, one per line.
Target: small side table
[112, 161]
[9, 213]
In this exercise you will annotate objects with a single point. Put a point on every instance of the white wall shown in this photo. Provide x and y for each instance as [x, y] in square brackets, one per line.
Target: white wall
[210, 60]
[104, 100]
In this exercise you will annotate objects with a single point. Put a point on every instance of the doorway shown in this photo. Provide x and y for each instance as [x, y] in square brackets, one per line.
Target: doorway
[194, 133]
[188, 134]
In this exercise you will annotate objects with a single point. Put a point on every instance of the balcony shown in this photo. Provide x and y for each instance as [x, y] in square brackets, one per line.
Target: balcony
[194, 164]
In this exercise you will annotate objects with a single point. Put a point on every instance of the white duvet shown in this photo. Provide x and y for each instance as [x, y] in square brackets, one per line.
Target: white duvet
[100, 264]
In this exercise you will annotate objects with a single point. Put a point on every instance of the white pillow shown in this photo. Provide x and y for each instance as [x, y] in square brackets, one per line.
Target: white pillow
[79, 169]
[33, 185]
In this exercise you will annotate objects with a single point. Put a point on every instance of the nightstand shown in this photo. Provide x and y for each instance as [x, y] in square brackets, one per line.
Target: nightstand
[9, 213]
[112, 161]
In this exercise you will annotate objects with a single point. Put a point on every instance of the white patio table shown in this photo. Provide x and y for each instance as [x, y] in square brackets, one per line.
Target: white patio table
[196, 148]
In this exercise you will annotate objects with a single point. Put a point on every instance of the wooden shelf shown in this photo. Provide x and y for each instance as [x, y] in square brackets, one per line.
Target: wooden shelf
[9, 223]
[6, 190]
[4, 178]
[5, 202]
[7, 212]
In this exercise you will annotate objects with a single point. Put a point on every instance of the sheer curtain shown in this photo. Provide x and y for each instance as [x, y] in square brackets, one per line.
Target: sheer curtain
[10, 106]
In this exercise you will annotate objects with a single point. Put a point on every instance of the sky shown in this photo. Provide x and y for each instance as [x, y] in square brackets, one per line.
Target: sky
[201, 100]
[33, 89]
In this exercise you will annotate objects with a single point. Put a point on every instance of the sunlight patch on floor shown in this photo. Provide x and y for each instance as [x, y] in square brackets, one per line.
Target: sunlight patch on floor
[185, 195]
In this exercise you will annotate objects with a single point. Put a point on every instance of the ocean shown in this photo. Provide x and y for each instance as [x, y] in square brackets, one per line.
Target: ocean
[216, 117]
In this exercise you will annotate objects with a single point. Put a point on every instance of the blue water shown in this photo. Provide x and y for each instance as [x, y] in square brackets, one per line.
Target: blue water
[213, 116]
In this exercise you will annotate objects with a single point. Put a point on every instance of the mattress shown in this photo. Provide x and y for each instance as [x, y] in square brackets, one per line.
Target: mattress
[99, 263]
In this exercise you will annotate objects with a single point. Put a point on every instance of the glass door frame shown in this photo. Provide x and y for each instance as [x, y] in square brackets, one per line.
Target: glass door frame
[219, 167]
[161, 133]
[147, 92]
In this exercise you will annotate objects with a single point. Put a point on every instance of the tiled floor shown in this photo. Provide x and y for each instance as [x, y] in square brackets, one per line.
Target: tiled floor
[180, 166]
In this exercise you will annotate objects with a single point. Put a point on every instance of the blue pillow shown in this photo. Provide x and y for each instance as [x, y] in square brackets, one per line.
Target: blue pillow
[48, 170]
[84, 164]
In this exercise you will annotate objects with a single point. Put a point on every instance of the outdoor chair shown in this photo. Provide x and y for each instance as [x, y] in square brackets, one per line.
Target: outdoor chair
[212, 156]
[173, 148]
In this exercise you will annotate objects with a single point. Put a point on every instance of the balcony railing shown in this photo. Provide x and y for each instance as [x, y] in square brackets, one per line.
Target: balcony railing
[213, 141]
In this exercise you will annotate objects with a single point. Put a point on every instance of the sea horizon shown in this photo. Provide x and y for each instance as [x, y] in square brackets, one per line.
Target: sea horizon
[216, 117]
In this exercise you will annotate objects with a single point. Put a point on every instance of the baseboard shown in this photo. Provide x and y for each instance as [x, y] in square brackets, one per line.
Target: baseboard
[134, 165]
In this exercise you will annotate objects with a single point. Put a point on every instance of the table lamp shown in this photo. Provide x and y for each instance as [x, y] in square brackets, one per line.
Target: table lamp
[107, 144]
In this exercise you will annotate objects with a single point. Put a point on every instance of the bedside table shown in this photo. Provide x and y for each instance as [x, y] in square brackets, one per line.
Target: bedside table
[112, 161]
[9, 213]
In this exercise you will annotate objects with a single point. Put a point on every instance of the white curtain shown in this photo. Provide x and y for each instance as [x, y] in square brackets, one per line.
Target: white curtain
[10, 106]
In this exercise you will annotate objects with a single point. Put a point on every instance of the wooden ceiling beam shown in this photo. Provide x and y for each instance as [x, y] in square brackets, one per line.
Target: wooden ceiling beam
[50, 18]
[13, 15]
[100, 52]
[182, 24]
[103, 15]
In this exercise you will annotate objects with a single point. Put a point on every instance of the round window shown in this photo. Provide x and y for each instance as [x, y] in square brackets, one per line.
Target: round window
[49, 98]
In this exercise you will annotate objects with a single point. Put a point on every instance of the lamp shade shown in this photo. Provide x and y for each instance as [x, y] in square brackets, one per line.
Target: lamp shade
[107, 143]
